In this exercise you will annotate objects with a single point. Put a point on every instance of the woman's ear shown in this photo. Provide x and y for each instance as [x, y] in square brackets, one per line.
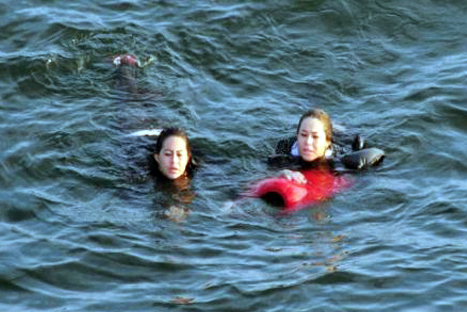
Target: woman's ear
[156, 157]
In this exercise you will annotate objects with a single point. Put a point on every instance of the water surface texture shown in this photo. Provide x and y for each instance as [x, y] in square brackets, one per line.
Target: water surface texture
[82, 226]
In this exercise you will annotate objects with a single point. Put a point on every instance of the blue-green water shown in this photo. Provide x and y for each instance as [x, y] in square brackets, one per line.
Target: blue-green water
[82, 227]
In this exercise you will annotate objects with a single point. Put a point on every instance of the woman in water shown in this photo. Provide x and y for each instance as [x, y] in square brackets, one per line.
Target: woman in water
[173, 166]
[312, 144]
[173, 155]
[313, 138]
[313, 156]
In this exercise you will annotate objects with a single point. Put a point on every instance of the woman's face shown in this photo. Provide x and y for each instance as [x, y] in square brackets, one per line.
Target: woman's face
[312, 143]
[173, 157]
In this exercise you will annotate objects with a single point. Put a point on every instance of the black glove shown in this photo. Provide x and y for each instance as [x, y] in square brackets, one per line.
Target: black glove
[358, 143]
[364, 158]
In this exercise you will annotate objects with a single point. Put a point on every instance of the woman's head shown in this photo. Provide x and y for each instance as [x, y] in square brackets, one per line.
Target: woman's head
[314, 134]
[173, 153]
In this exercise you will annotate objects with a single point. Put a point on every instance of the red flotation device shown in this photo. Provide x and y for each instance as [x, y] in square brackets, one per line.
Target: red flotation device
[321, 185]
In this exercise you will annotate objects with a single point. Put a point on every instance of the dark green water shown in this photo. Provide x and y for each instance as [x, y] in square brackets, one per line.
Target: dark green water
[82, 226]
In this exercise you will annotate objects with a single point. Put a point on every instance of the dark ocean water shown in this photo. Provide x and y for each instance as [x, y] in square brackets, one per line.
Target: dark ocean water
[82, 226]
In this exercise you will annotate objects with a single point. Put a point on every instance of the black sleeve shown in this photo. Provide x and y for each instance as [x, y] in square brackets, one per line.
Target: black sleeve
[284, 146]
[282, 157]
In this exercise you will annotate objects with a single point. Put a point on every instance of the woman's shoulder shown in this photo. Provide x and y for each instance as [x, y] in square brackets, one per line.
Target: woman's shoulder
[283, 156]
[284, 146]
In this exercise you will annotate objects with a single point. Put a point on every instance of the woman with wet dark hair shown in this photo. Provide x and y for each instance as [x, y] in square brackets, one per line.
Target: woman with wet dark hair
[172, 164]
[173, 155]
